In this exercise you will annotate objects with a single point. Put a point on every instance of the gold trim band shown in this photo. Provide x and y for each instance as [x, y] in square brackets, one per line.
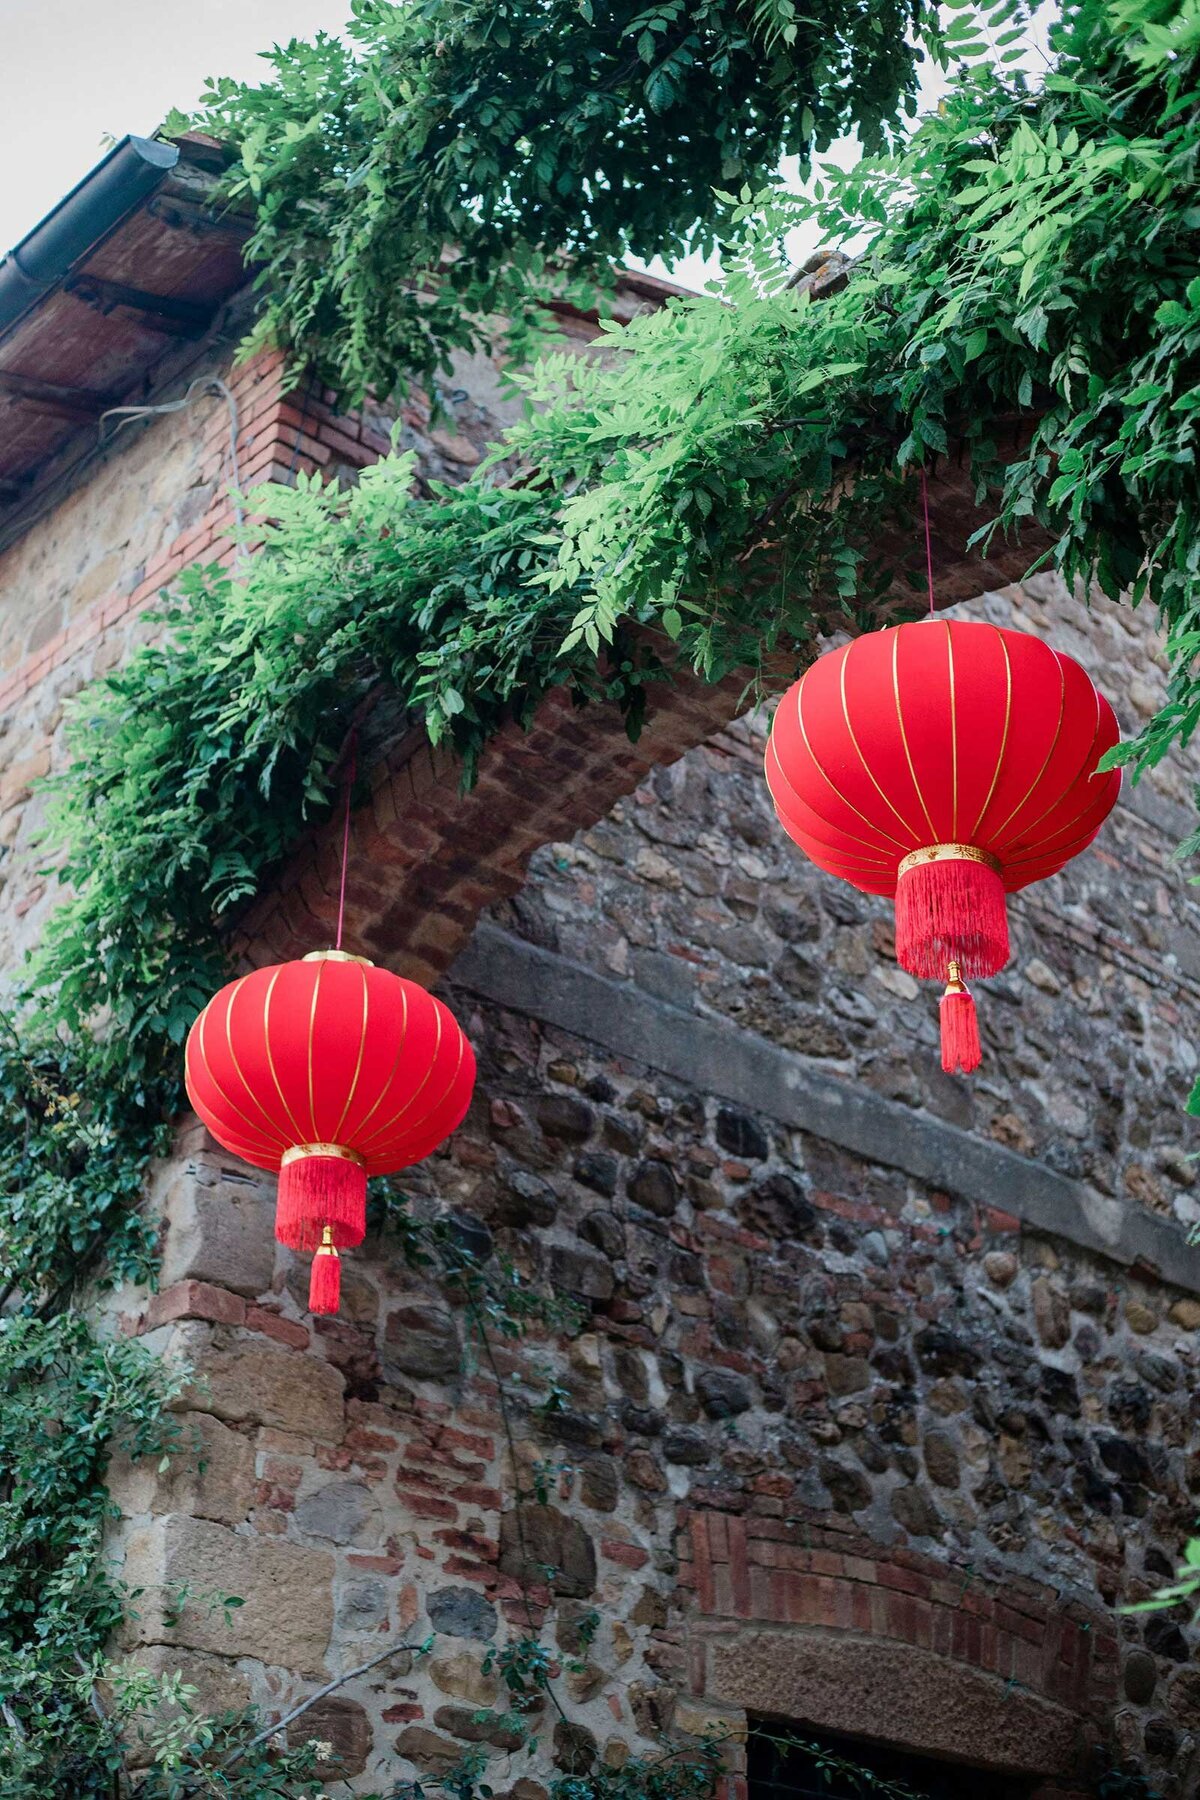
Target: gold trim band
[337, 956]
[948, 853]
[301, 1152]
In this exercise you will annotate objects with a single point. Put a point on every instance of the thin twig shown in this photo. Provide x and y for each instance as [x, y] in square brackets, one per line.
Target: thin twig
[521, 1496]
[330, 1687]
[93, 1697]
[768, 513]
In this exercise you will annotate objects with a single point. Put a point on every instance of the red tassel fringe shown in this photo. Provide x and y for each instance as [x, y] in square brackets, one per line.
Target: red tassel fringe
[315, 1191]
[948, 912]
[960, 1031]
[325, 1282]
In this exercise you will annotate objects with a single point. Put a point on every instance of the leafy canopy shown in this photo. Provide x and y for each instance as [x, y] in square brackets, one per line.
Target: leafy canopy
[411, 182]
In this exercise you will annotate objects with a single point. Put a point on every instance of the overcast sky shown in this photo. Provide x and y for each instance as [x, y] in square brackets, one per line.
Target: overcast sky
[73, 70]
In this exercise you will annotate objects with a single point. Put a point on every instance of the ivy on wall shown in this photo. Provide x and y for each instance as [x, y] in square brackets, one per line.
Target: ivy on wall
[704, 495]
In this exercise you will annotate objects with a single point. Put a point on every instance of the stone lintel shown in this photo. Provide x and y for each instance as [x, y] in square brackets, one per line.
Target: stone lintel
[896, 1694]
[715, 1058]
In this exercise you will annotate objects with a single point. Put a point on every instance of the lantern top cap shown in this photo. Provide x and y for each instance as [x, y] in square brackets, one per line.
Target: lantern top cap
[337, 956]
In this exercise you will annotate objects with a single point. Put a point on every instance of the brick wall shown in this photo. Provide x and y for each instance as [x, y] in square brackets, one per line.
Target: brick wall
[840, 1581]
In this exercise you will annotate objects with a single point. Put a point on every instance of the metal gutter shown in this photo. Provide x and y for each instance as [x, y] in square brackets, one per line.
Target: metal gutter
[130, 172]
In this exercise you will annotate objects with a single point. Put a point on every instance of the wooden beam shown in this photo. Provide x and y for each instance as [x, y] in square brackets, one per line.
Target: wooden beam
[160, 312]
[79, 405]
[201, 219]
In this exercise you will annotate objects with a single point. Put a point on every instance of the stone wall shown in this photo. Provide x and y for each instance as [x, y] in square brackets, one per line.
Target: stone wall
[883, 1401]
[691, 893]
[880, 1409]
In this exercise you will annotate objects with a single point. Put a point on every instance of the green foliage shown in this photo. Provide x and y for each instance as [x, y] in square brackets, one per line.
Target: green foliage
[455, 162]
[193, 769]
[703, 485]
[76, 1746]
[201, 1755]
[1185, 1586]
[707, 495]
[73, 1155]
[67, 1400]
[1124, 1784]
[833, 1766]
[196, 765]
[682, 1772]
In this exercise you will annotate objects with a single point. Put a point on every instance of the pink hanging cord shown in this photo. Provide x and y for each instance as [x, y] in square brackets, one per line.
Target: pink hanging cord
[349, 789]
[928, 539]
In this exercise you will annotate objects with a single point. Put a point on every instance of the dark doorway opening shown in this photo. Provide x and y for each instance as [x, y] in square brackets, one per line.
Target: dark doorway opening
[785, 1771]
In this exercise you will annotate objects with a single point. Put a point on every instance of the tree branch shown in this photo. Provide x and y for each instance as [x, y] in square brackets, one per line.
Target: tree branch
[330, 1687]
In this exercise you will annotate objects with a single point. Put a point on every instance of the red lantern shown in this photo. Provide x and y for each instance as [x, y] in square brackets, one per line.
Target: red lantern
[947, 763]
[328, 1070]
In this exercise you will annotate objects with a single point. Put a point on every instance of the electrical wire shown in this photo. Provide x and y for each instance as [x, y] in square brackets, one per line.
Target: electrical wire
[202, 386]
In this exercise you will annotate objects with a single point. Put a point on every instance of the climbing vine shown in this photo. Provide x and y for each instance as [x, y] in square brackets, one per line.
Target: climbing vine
[705, 496]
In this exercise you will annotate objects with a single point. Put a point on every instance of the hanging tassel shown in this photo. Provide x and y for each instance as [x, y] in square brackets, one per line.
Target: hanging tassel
[950, 908]
[325, 1278]
[320, 1185]
[960, 1026]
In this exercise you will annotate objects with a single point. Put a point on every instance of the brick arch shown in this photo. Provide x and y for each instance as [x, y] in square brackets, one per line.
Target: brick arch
[427, 859]
[813, 1623]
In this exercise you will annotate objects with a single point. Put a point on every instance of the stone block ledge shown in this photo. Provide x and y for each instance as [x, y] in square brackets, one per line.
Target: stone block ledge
[216, 1305]
[285, 1615]
[735, 1066]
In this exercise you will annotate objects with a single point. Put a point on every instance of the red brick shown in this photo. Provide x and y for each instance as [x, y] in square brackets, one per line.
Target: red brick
[360, 1438]
[905, 1581]
[424, 1506]
[739, 1575]
[629, 1556]
[270, 1495]
[779, 1485]
[701, 1529]
[287, 1331]
[481, 1572]
[941, 1630]
[454, 1539]
[334, 1457]
[341, 444]
[488, 1499]
[1019, 1624]
[195, 1300]
[827, 1562]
